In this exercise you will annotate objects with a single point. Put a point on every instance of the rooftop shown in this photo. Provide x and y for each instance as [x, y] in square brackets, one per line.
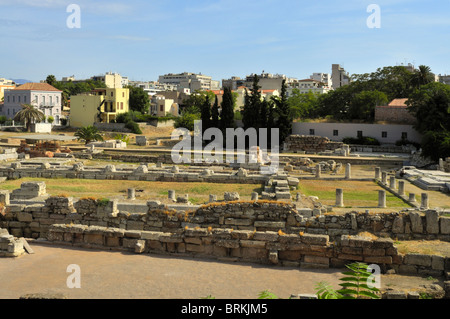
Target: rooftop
[36, 87]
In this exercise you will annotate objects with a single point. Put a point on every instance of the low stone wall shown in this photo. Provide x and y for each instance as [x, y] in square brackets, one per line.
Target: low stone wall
[309, 143]
[141, 173]
[32, 219]
[293, 250]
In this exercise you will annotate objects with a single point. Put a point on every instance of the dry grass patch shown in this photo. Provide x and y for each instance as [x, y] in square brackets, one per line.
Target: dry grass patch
[362, 194]
[427, 247]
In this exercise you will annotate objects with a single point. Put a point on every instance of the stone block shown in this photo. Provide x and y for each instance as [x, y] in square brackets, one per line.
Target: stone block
[445, 225]
[270, 224]
[252, 244]
[432, 219]
[112, 241]
[96, 239]
[290, 255]
[437, 262]
[418, 260]
[313, 239]
[25, 217]
[374, 252]
[317, 260]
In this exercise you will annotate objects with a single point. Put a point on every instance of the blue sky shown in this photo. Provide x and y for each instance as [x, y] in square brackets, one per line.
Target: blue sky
[221, 38]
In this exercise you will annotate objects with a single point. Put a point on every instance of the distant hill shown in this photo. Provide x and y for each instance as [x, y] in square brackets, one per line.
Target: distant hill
[21, 81]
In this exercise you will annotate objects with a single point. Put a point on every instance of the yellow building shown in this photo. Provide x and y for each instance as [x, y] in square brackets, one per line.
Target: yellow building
[99, 105]
[5, 85]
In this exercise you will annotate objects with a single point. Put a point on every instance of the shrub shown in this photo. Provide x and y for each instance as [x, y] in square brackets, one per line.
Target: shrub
[404, 142]
[365, 140]
[133, 127]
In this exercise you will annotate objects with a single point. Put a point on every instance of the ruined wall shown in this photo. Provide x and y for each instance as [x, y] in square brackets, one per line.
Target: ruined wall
[256, 231]
[293, 250]
[311, 144]
[141, 173]
[33, 220]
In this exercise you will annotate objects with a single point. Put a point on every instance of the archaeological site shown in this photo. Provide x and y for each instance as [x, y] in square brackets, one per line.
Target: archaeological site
[327, 205]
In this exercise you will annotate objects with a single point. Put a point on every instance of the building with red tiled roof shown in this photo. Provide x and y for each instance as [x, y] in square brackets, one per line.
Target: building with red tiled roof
[396, 112]
[43, 96]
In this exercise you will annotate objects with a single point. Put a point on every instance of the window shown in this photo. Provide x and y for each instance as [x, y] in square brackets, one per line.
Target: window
[123, 94]
[43, 100]
[359, 134]
[121, 105]
[384, 134]
[18, 99]
[14, 99]
[335, 133]
[161, 108]
[8, 100]
[312, 131]
[404, 135]
[112, 93]
[25, 99]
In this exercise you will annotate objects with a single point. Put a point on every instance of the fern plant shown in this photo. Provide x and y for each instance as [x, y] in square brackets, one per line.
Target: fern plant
[354, 285]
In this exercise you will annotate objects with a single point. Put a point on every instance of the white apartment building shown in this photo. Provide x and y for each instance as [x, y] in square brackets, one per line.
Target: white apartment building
[43, 96]
[308, 85]
[190, 81]
[269, 81]
[325, 78]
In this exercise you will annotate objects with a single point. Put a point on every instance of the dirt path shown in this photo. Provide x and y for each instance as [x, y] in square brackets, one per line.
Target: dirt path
[117, 275]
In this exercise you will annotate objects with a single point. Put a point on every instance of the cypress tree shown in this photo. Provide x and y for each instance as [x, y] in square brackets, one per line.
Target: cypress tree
[284, 122]
[251, 116]
[215, 121]
[206, 114]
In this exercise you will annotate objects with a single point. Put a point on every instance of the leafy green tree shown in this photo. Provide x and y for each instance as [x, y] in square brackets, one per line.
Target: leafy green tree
[88, 134]
[28, 115]
[362, 106]
[422, 76]
[51, 79]
[186, 120]
[431, 107]
[303, 105]
[139, 100]
[194, 103]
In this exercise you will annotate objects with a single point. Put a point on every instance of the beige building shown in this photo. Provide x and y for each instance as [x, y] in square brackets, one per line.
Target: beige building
[269, 81]
[98, 106]
[161, 106]
[339, 77]
[190, 81]
[5, 85]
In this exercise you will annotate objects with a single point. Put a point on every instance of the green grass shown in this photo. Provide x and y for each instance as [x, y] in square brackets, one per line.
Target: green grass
[356, 193]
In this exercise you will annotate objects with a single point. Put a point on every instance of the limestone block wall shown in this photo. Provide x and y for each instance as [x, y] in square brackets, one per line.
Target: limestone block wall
[310, 143]
[276, 248]
[141, 173]
[32, 220]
